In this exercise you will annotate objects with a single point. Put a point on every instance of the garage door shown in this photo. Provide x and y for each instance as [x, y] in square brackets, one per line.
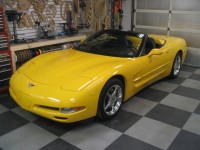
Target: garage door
[179, 18]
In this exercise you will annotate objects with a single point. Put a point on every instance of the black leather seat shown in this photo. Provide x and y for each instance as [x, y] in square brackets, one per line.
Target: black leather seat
[150, 44]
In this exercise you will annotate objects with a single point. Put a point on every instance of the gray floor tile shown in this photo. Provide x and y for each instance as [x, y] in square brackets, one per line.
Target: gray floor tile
[177, 80]
[169, 115]
[184, 74]
[28, 137]
[91, 137]
[188, 92]
[55, 127]
[139, 106]
[153, 132]
[152, 94]
[7, 102]
[181, 102]
[186, 141]
[188, 68]
[195, 76]
[193, 124]
[164, 86]
[59, 144]
[10, 121]
[192, 84]
[197, 111]
[23, 113]
[122, 121]
[3, 109]
[2, 95]
[129, 143]
[197, 71]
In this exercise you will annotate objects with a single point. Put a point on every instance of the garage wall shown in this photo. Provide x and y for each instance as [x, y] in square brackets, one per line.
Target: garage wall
[171, 17]
[29, 33]
[127, 7]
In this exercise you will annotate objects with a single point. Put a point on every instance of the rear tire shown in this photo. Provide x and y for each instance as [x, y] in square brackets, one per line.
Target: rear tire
[110, 100]
[176, 66]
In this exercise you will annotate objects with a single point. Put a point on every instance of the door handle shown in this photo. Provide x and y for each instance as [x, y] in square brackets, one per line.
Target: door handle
[167, 51]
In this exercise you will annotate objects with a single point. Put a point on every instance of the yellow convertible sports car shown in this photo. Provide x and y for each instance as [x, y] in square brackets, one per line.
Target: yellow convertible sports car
[96, 77]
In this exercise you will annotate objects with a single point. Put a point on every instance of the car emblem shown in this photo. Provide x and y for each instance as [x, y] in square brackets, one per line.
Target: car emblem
[30, 85]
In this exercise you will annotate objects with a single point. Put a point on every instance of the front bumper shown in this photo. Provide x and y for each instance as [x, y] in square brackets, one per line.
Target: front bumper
[47, 100]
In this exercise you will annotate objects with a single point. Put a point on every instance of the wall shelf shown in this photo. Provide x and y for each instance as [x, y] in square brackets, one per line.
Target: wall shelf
[41, 44]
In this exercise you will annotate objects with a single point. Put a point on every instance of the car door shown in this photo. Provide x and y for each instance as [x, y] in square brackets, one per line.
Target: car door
[167, 55]
[149, 68]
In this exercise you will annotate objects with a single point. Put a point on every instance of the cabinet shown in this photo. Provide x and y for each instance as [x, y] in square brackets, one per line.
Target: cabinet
[5, 57]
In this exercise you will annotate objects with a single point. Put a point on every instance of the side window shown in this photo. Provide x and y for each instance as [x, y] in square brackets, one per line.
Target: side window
[134, 43]
[150, 44]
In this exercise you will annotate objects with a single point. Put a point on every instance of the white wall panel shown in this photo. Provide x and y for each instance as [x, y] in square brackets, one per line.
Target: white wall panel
[186, 5]
[185, 21]
[152, 31]
[153, 4]
[152, 19]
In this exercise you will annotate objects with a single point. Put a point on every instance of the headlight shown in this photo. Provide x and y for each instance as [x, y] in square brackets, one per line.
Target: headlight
[72, 110]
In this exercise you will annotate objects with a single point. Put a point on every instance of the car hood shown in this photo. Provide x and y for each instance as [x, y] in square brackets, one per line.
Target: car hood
[69, 67]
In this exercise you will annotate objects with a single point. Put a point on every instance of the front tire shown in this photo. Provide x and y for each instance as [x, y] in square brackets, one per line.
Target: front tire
[110, 100]
[176, 66]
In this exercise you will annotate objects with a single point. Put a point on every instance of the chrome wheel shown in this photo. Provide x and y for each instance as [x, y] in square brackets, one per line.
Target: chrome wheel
[177, 65]
[113, 100]
[110, 99]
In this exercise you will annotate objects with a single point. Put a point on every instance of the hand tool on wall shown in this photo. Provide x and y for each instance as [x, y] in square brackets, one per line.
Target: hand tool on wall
[100, 10]
[51, 11]
[24, 4]
[89, 13]
[57, 2]
[15, 17]
[118, 14]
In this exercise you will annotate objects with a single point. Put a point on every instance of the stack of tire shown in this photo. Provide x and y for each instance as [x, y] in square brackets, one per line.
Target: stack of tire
[70, 45]
[25, 55]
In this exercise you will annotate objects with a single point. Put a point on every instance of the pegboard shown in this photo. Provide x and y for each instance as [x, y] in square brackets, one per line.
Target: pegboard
[30, 33]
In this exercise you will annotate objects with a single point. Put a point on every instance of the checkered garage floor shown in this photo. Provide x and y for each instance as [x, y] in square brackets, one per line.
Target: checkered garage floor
[164, 116]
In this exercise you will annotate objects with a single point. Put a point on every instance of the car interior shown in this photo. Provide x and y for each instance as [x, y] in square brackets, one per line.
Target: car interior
[151, 43]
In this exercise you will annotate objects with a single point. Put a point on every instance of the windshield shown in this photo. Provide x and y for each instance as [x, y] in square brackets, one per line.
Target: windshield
[110, 43]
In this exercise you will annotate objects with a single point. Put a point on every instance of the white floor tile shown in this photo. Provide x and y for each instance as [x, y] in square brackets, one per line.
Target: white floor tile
[3, 109]
[139, 106]
[197, 71]
[191, 83]
[184, 74]
[153, 132]
[92, 137]
[28, 137]
[180, 102]
[164, 86]
[193, 124]
[25, 114]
